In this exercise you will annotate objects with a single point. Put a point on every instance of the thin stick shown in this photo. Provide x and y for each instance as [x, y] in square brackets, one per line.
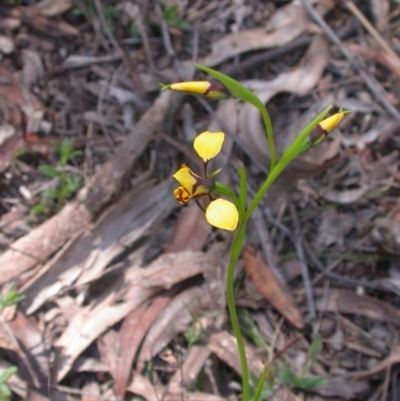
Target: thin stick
[297, 237]
[374, 86]
[373, 32]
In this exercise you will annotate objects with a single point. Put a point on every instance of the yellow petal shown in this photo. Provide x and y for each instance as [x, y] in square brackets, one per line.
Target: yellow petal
[331, 122]
[181, 195]
[192, 183]
[208, 144]
[222, 214]
[321, 131]
[186, 178]
[196, 87]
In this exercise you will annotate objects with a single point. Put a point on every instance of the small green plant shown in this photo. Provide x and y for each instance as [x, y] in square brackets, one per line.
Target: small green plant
[5, 392]
[233, 214]
[171, 15]
[52, 199]
[289, 379]
[11, 297]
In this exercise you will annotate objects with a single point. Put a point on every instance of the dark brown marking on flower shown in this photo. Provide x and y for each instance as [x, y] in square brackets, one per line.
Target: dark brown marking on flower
[317, 135]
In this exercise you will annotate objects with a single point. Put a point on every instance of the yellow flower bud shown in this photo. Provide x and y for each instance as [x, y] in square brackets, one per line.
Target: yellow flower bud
[211, 89]
[321, 131]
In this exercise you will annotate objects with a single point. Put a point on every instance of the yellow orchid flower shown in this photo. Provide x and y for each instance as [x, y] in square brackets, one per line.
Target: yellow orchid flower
[192, 185]
[321, 131]
[223, 214]
[210, 89]
[208, 144]
[220, 213]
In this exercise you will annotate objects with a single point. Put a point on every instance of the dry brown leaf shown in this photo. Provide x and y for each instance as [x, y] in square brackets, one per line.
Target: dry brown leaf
[139, 385]
[134, 288]
[344, 301]
[381, 367]
[132, 331]
[286, 24]
[223, 344]
[88, 254]
[267, 284]
[186, 375]
[173, 320]
[348, 196]
[190, 231]
[337, 387]
[32, 352]
[49, 237]
[51, 8]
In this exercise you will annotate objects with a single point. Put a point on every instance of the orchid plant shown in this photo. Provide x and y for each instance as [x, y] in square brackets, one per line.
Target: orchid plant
[234, 212]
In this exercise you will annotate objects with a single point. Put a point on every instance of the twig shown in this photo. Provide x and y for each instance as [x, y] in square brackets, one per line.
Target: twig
[297, 237]
[347, 280]
[129, 63]
[373, 32]
[374, 86]
[146, 42]
[266, 245]
[168, 44]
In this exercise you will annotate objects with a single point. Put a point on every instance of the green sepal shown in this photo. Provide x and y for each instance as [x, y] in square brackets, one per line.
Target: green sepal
[214, 173]
[222, 189]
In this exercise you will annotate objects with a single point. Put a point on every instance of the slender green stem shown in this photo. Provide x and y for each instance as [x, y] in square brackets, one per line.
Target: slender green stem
[230, 296]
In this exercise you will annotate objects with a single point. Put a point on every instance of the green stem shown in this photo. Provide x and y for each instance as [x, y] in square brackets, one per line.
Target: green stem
[230, 296]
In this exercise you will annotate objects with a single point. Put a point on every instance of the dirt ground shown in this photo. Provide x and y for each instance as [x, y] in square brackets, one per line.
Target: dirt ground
[122, 288]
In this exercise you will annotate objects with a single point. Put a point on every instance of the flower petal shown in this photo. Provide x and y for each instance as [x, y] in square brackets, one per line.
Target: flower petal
[181, 195]
[222, 214]
[193, 184]
[208, 144]
[211, 89]
[186, 178]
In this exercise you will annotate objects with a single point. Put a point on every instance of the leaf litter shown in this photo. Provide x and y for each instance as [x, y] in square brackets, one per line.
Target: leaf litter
[124, 291]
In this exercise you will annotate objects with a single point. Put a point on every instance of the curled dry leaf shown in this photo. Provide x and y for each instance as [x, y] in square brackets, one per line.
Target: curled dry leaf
[270, 287]
[287, 23]
[173, 320]
[135, 287]
[130, 336]
[344, 301]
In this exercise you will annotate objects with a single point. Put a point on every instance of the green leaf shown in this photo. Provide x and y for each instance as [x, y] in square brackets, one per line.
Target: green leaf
[49, 171]
[315, 348]
[7, 374]
[222, 189]
[72, 183]
[260, 386]
[287, 377]
[50, 194]
[243, 191]
[311, 382]
[239, 91]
